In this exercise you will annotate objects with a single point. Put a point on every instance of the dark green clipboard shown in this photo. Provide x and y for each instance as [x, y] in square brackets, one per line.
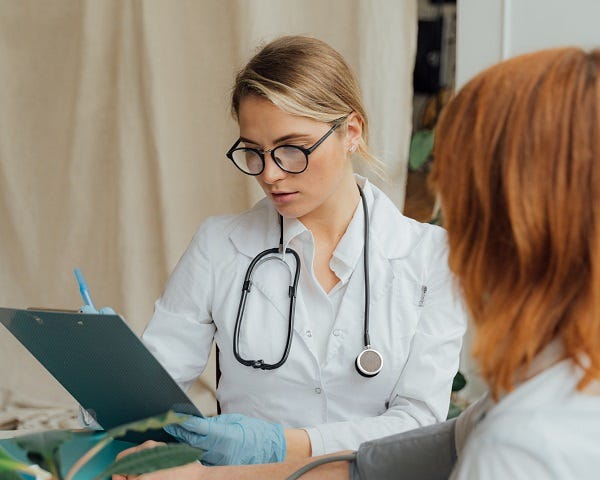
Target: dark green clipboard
[102, 363]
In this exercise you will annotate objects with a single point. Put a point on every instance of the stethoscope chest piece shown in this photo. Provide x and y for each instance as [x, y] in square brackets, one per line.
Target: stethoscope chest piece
[369, 362]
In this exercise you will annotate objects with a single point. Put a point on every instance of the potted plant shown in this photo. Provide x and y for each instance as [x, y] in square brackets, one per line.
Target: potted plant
[43, 451]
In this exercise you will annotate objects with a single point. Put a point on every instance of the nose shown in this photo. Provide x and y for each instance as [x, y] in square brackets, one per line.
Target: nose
[271, 173]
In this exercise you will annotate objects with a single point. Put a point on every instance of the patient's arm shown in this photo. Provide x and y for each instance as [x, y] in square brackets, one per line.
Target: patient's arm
[424, 453]
[274, 471]
[427, 453]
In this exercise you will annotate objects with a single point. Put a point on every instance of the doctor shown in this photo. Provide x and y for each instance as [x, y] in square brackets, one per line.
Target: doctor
[535, 310]
[334, 315]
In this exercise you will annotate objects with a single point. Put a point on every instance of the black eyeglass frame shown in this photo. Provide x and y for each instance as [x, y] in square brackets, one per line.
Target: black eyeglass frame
[261, 153]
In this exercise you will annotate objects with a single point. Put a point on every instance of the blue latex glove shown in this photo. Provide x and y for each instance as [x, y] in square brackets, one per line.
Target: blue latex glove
[102, 311]
[232, 439]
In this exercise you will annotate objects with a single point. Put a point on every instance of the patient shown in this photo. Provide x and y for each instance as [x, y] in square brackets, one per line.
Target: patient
[517, 168]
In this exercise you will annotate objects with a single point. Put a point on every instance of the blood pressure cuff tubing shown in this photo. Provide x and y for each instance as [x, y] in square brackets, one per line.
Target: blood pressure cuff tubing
[427, 453]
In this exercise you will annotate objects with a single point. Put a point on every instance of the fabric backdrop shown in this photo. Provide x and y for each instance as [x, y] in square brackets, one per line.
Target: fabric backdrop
[114, 120]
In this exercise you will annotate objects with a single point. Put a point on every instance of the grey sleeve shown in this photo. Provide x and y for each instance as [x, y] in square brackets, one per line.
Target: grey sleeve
[426, 453]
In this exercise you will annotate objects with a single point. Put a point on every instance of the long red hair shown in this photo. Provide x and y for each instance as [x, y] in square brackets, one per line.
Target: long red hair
[517, 168]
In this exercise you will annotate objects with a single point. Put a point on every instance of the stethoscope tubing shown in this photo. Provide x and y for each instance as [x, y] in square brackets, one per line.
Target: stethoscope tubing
[279, 254]
[367, 339]
[260, 258]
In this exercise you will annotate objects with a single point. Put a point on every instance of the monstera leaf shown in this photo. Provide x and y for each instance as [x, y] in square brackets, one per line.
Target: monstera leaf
[151, 423]
[9, 467]
[152, 459]
[42, 448]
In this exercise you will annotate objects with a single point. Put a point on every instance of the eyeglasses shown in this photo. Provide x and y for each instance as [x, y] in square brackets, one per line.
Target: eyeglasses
[290, 158]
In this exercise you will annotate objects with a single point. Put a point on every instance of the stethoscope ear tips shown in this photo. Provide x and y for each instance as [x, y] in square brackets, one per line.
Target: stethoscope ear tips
[369, 362]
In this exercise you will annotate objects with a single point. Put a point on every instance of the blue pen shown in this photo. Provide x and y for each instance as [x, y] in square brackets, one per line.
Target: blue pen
[83, 289]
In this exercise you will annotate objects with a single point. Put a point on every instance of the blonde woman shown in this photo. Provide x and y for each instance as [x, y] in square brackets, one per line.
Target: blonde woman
[517, 167]
[334, 314]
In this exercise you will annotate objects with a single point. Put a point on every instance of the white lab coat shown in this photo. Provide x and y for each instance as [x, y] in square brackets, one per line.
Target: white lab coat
[417, 330]
[544, 429]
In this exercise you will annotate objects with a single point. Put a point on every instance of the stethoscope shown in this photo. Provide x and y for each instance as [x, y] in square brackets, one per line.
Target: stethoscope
[368, 362]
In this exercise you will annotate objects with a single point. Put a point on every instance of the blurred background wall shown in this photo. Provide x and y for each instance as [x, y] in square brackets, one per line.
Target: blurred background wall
[114, 120]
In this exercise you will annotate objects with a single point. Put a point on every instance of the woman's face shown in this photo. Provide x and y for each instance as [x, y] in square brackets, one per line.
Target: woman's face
[265, 126]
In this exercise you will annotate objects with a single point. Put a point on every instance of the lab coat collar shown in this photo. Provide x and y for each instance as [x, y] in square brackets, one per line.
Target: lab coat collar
[391, 233]
[350, 247]
[392, 236]
[258, 229]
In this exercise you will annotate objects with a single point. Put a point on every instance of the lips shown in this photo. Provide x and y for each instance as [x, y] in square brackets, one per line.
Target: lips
[283, 197]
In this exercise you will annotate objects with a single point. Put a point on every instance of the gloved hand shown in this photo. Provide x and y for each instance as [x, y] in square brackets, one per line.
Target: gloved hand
[102, 311]
[232, 439]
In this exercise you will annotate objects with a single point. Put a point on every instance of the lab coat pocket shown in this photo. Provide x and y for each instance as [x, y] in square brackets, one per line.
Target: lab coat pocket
[408, 300]
[394, 322]
[419, 294]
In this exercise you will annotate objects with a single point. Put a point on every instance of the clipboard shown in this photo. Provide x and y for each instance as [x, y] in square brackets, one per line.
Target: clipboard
[102, 363]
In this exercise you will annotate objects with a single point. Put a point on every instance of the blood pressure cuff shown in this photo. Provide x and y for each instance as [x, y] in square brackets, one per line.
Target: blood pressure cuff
[427, 453]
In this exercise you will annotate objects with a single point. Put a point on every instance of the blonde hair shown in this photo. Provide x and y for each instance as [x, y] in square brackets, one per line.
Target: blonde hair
[517, 167]
[304, 76]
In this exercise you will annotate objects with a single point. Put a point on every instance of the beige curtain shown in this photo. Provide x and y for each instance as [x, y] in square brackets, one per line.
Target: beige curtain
[114, 121]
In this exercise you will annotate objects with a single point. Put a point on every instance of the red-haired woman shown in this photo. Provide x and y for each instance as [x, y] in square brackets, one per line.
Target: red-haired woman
[518, 172]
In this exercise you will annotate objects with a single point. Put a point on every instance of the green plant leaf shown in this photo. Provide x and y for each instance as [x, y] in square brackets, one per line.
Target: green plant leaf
[9, 467]
[10, 475]
[42, 448]
[421, 146]
[453, 411]
[44, 443]
[151, 423]
[152, 459]
[8, 463]
[459, 382]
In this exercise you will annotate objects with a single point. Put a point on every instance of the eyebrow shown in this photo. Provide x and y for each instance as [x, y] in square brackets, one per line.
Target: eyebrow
[280, 139]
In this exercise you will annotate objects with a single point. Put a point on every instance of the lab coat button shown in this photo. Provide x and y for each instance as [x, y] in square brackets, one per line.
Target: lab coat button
[337, 332]
[308, 333]
[317, 390]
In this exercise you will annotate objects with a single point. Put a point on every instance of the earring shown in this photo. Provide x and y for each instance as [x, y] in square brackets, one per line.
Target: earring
[352, 148]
